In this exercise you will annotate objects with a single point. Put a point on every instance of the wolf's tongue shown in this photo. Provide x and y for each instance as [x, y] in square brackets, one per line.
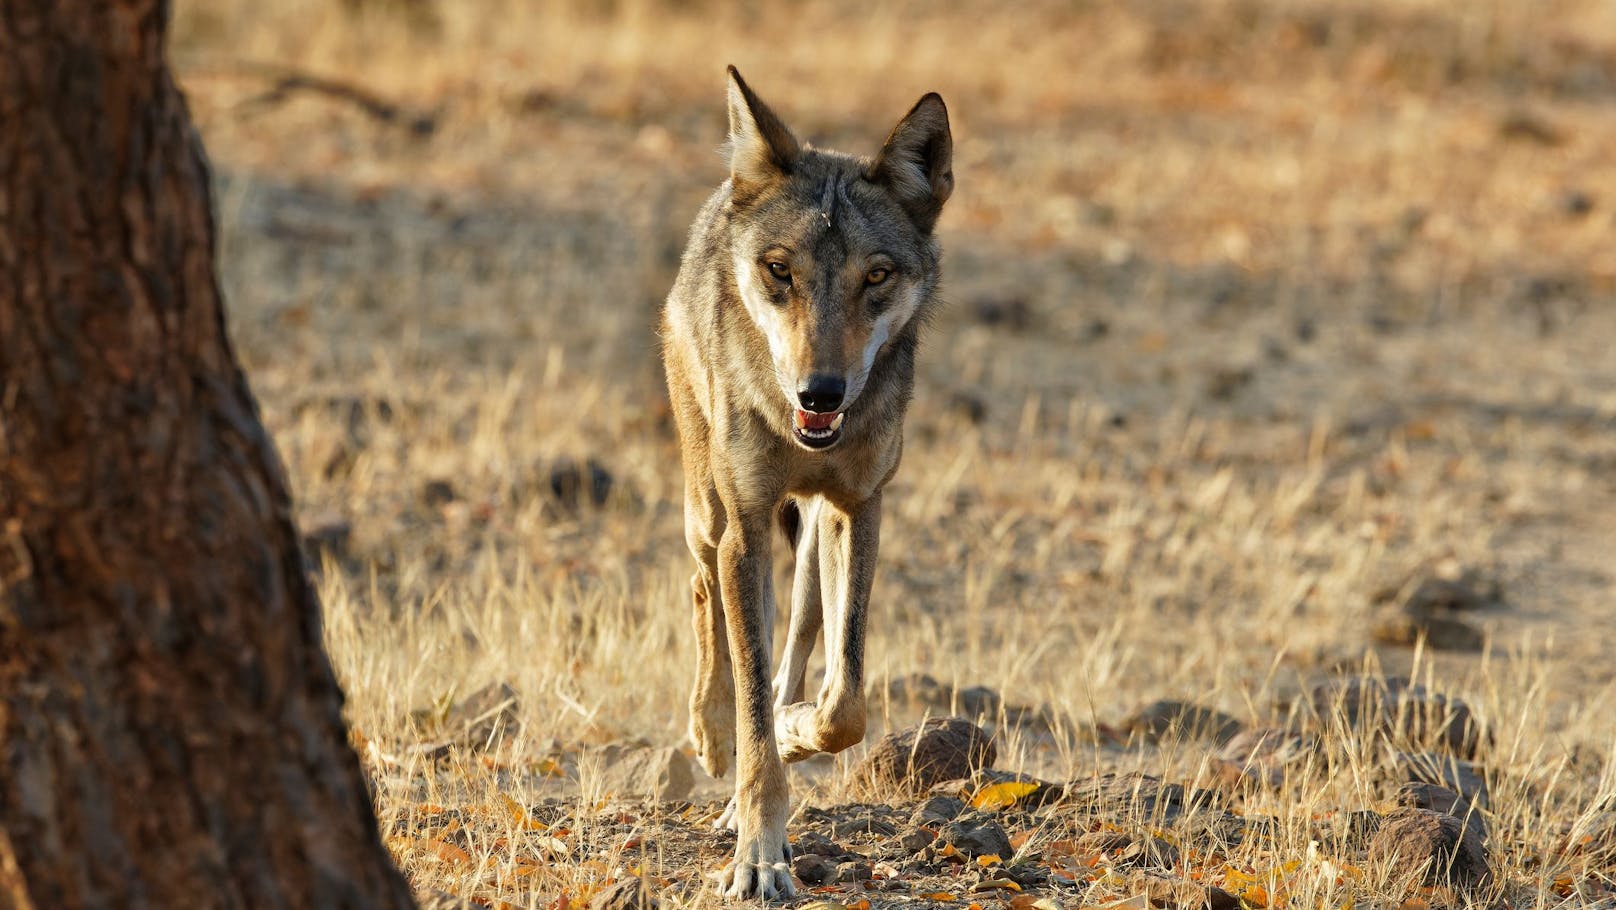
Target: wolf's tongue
[808, 421]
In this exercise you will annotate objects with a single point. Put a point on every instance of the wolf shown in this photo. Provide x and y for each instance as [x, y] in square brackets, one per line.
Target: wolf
[789, 343]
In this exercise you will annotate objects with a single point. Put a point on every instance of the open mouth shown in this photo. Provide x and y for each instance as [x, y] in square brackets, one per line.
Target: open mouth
[818, 431]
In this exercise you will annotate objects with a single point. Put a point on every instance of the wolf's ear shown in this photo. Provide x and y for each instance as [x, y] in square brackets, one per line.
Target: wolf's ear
[917, 163]
[761, 149]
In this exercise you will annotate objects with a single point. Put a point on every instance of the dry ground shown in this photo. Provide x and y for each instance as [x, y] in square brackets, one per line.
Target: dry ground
[1255, 308]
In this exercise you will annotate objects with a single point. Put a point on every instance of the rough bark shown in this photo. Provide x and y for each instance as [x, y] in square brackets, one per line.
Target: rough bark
[170, 727]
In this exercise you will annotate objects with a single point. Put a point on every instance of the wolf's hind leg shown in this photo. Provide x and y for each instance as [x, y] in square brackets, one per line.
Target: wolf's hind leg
[846, 550]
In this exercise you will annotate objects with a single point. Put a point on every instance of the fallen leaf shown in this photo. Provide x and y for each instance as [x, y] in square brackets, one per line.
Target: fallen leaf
[989, 859]
[520, 816]
[942, 897]
[447, 852]
[1000, 796]
[996, 884]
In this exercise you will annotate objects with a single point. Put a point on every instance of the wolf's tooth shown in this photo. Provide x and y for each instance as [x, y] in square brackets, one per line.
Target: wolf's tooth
[837, 423]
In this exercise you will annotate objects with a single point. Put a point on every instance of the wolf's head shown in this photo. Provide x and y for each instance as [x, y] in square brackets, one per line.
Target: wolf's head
[833, 254]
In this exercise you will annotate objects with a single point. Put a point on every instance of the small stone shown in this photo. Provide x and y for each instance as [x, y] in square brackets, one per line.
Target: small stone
[979, 702]
[812, 869]
[1526, 126]
[1462, 777]
[1471, 590]
[1450, 853]
[937, 810]
[661, 774]
[481, 718]
[1013, 313]
[855, 870]
[1393, 706]
[851, 827]
[1400, 628]
[573, 483]
[1171, 893]
[327, 534]
[977, 834]
[1437, 798]
[628, 894]
[1127, 850]
[1104, 842]
[1576, 203]
[818, 844]
[916, 839]
[1263, 756]
[1160, 719]
[916, 758]
[437, 493]
[1136, 796]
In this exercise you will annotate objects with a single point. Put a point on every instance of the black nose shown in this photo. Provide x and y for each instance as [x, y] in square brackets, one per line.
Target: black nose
[822, 393]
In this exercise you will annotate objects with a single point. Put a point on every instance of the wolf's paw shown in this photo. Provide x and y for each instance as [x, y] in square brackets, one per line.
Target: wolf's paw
[712, 730]
[806, 729]
[795, 730]
[761, 869]
[726, 819]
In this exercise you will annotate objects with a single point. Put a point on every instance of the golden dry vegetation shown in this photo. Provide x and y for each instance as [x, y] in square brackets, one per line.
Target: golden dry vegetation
[1257, 309]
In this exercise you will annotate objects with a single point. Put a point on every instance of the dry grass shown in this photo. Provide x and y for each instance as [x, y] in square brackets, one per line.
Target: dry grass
[1305, 296]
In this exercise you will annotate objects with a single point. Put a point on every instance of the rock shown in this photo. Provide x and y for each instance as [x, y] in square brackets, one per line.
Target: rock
[977, 834]
[1450, 853]
[968, 406]
[1044, 792]
[476, 721]
[937, 810]
[1576, 204]
[1176, 718]
[573, 483]
[1137, 797]
[855, 870]
[437, 493]
[1351, 832]
[916, 839]
[1592, 838]
[627, 894]
[1401, 628]
[1526, 126]
[1264, 755]
[1009, 312]
[916, 758]
[1128, 851]
[812, 869]
[1460, 776]
[1437, 798]
[1403, 711]
[662, 774]
[326, 534]
[1470, 591]
[481, 718]
[977, 702]
[1171, 893]
[922, 691]
[817, 844]
[916, 690]
[850, 827]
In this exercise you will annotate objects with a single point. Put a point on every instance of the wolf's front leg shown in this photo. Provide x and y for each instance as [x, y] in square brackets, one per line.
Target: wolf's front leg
[761, 867]
[849, 540]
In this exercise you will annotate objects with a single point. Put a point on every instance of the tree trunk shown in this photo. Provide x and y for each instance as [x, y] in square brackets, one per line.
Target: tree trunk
[170, 728]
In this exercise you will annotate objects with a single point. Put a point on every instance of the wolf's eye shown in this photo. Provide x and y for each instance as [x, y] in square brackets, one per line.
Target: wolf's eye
[779, 270]
[876, 276]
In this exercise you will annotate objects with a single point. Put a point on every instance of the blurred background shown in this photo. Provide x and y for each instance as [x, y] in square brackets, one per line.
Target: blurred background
[1256, 311]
